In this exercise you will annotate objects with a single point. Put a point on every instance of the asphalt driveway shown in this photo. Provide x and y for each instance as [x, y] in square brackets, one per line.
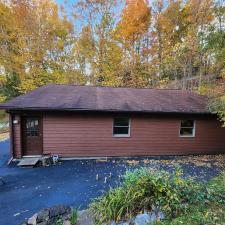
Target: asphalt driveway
[28, 190]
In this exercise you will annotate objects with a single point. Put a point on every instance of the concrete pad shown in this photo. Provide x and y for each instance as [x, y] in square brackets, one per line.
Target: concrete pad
[28, 162]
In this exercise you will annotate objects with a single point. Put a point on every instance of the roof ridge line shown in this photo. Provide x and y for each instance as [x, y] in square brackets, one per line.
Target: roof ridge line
[142, 88]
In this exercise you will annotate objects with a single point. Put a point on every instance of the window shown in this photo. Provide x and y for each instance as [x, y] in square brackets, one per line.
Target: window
[121, 127]
[32, 127]
[187, 128]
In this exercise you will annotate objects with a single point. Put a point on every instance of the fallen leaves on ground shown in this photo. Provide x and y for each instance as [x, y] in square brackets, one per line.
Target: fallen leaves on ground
[204, 160]
[4, 136]
[197, 160]
[133, 162]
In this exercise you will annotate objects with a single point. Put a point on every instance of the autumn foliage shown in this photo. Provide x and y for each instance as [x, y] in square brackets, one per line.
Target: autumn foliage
[133, 43]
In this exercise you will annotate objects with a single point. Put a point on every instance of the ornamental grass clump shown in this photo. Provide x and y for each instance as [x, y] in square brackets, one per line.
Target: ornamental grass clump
[146, 189]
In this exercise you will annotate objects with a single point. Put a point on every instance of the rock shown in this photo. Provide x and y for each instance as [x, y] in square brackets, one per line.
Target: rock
[59, 210]
[85, 218]
[66, 216]
[43, 215]
[152, 216]
[160, 215]
[50, 216]
[53, 221]
[66, 222]
[43, 223]
[32, 220]
[142, 219]
[148, 217]
[120, 223]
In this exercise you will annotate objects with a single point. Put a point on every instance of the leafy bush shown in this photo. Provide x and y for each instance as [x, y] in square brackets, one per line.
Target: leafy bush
[145, 189]
[207, 212]
[199, 214]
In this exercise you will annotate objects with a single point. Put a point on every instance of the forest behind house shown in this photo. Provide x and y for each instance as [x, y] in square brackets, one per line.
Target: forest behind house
[132, 43]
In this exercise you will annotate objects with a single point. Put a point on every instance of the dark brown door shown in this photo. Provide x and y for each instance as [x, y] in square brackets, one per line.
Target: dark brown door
[32, 136]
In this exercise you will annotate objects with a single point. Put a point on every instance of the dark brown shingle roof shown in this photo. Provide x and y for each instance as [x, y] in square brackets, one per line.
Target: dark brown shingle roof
[88, 98]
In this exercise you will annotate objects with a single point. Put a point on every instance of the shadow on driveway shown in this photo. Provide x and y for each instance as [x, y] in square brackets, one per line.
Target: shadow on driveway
[4, 153]
[28, 190]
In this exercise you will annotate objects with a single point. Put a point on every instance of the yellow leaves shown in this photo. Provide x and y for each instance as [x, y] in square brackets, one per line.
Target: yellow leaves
[60, 45]
[27, 85]
[135, 20]
[144, 47]
[33, 42]
[197, 12]
[204, 89]
[162, 83]
[2, 98]
[222, 74]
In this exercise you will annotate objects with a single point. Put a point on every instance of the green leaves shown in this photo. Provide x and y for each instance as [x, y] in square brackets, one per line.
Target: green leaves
[148, 189]
[145, 189]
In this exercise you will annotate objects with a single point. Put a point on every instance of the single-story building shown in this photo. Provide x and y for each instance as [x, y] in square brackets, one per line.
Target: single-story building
[87, 121]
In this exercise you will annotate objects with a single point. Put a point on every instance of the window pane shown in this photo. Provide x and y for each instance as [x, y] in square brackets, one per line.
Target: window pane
[121, 130]
[32, 127]
[32, 123]
[121, 121]
[187, 123]
[186, 131]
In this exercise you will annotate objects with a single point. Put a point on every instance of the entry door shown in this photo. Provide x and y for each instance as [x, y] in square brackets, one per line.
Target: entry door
[32, 136]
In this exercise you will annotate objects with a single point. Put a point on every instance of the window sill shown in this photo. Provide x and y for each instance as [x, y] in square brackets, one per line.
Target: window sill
[187, 136]
[121, 136]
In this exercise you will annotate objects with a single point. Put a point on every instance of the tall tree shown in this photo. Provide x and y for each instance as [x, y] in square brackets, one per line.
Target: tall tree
[36, 43]
[101, 55]
[131, 31]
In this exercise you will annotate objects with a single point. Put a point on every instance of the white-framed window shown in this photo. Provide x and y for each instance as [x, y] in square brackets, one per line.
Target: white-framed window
[121, 127]
[187, 128]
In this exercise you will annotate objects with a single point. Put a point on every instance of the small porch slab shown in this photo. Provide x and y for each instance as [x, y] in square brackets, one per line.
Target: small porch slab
[28, 162]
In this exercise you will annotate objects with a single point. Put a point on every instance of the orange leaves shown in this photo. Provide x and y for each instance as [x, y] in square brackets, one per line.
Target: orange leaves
[198, 12]
[135, 20]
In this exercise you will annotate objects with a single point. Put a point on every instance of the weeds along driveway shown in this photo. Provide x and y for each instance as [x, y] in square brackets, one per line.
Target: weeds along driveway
[27, 190]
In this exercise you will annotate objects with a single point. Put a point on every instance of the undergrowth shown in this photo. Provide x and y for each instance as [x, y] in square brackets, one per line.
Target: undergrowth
[146, 189]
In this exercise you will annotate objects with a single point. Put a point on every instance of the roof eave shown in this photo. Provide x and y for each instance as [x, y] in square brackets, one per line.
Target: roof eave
[101, 110]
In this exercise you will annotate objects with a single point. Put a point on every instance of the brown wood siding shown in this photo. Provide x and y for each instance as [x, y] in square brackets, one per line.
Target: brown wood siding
[91, 135]
[17, 138]
[11, 135]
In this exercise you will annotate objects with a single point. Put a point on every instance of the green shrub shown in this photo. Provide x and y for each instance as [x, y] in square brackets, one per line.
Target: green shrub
[148, 189]
[74, 217]
[216, 189]
[206, 214]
